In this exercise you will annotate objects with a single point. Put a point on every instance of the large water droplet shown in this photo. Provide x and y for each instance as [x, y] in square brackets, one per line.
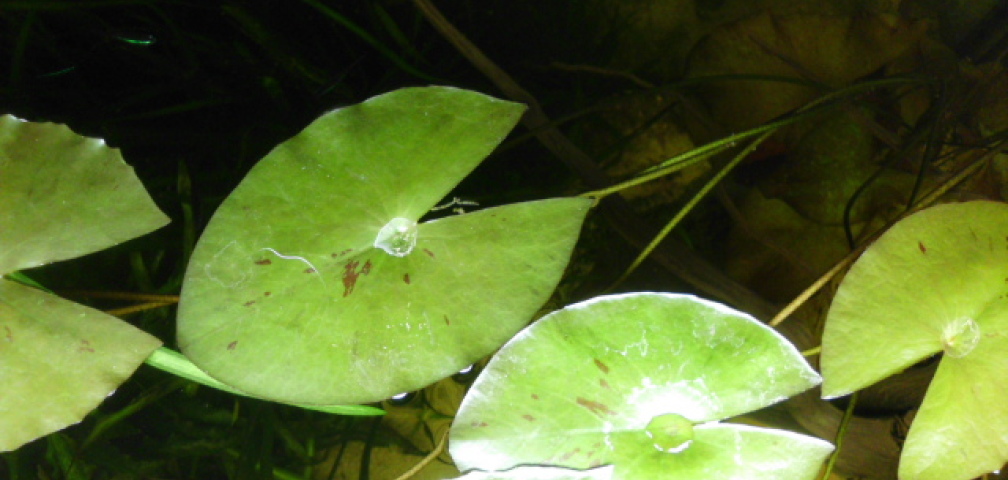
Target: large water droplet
[397, 237]
[671, 433]
[960, 337]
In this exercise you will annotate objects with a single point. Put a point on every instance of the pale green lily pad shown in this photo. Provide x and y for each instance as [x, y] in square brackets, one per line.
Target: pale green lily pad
[580, 387]
[61, 195]
[535, 472]
[314, 283]
[936, 282]
[59, 361]
[64, 195]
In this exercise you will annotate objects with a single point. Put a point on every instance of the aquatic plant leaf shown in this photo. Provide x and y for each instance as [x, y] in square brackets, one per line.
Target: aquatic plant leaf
[64, 195]
[59, 361]
[535, 472]
[61, 196]
[580, 387]
[936, 282]
[315, 283]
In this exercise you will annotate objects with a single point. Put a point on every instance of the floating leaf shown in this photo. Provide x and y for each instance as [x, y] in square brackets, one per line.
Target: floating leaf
[936, 282]
[64, 195]
[533, 472]
[61, 195]
[315, 283]
[611, 380]
[59, 360]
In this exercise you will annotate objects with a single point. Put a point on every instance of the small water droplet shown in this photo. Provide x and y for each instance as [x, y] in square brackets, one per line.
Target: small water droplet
[397, 237]
[960, 337]
[670, 433]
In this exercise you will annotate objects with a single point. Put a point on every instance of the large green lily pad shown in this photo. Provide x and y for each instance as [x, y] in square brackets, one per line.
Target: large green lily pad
[313, 282]
[936, 282]
[533, 472]
[60, 360]
[64, 195]
[617, 379]
[61, 196]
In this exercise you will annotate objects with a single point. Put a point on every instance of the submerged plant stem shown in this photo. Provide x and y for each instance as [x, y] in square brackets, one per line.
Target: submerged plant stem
[173, 362]
[844, 422]
[428, 459]
[692, 203]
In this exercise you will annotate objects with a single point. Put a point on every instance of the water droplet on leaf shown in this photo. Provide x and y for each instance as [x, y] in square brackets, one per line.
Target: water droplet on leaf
[671, 433]
[397, 237]
[960, 337]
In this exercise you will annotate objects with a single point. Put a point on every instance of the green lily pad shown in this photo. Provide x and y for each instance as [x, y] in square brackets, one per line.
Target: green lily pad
[613, 379]
[314, 283]
[64, 195]
[936, 282]
[60, 360]
[534, 472]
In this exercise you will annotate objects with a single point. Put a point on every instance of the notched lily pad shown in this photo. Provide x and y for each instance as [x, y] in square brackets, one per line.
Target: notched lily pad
[59, 361]
[534, 472]
[314, 283]
[936, 282]
[608, 380]
[64, 195]
[61, 196]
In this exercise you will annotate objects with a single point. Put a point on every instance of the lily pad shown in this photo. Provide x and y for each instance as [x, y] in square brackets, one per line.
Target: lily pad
[533, 472]
[60, 360]
[611, 381]
[936, 282]
[315, 283]
[64, 195]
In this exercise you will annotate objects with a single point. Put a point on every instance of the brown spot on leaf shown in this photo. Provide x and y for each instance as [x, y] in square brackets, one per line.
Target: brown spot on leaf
[8, 334]
[405, 278]
[528, 417]
[248, 303]
[366, 269]
[429, 253]
[232, 345]
[595, 407]
[264, 261]
[921, 246]
[350, 275]
[476, 424]
[601, 366]
[266, 294]
[85, 346]
[603, 383]
[446, 321]
[341, 253]
[535, 397]
[569, 454]
[309, 270]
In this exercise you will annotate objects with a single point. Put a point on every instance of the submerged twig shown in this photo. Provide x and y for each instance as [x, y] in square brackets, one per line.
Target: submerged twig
[428, 459]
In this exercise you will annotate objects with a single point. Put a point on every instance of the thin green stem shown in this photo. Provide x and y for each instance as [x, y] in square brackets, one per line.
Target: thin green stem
[175, 363]
[692, 203]
[369, 39]
[691, 157]
[841, 432]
